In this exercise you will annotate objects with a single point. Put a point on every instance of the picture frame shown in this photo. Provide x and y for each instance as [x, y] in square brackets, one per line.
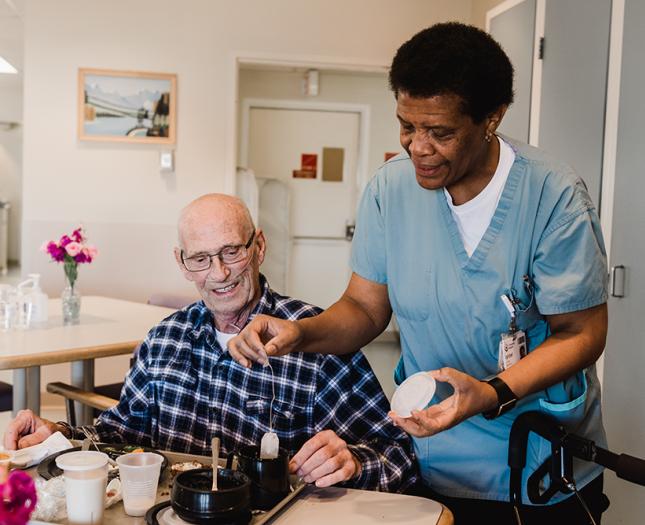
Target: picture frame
[127, 106]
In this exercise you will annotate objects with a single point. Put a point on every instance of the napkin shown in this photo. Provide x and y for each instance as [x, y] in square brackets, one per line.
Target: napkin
[27, 457]
[51, 506]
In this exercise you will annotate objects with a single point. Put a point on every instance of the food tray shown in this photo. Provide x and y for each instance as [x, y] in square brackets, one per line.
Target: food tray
[163, 493]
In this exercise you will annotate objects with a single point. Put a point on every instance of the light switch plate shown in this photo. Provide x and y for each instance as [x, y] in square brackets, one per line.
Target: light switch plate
[167, 161]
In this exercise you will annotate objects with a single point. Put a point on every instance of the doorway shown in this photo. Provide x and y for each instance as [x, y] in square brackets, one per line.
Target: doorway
[276, 136]
[349, 127]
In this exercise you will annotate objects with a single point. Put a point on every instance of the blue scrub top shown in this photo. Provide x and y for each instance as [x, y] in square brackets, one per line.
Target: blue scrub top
[543, 247]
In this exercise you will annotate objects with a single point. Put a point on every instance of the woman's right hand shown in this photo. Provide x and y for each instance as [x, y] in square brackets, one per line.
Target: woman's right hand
[27, 429]
[265, 336]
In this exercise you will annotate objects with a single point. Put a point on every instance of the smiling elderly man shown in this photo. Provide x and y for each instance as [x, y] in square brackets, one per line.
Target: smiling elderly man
[184, 388]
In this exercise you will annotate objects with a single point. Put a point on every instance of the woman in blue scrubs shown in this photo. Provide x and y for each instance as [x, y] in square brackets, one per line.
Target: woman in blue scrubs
[460, 219]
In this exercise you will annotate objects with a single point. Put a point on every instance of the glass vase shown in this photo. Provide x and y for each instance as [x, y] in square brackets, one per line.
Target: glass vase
[71, 301]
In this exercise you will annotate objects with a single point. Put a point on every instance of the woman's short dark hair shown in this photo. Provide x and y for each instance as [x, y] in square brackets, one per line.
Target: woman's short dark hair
[454, 58]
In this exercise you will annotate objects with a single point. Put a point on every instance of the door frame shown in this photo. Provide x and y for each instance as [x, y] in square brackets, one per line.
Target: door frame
[239, 59]
[536, 73]
[362, 176]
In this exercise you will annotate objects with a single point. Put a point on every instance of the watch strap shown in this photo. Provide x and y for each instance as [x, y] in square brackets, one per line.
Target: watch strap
[506, 398]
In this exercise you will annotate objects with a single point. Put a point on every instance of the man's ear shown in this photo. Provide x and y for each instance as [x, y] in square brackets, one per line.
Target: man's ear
[262, 245]
[188, 275]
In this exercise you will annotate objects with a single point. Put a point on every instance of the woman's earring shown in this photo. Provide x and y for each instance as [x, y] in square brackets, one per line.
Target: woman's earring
[488, 136]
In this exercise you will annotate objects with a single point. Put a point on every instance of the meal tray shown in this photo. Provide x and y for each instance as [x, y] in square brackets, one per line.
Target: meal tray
[260, 518]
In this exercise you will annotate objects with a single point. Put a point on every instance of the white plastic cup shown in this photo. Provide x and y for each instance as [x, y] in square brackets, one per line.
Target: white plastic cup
[139, 473]
[85, 474]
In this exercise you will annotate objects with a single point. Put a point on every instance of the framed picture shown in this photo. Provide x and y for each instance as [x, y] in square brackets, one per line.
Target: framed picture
[126, 106]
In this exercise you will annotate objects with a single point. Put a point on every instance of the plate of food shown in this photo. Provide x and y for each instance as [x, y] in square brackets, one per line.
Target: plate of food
[48, 469]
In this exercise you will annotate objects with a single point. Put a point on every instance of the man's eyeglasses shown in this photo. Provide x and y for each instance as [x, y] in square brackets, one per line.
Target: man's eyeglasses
[227, 255]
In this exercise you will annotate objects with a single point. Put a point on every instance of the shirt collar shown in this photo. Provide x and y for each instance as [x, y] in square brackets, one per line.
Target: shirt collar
[204, 324]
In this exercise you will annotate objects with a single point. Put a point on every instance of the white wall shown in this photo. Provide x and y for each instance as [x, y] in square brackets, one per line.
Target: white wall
[11, 161]
[127, 207]
[116, 191]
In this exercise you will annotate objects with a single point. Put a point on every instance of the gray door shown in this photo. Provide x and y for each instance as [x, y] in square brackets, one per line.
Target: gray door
[574, 82]
[514, 30]
[624, 376]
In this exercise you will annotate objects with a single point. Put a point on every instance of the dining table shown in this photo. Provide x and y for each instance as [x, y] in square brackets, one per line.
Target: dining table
[107, 327]
[309, 504]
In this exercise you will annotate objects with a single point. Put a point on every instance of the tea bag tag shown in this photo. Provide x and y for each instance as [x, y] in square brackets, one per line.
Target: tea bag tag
[269, 446]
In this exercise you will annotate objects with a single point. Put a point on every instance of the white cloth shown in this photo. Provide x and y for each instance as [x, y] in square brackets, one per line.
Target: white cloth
[27, 457]
[247, 190]
[474, 216]
[223, 338]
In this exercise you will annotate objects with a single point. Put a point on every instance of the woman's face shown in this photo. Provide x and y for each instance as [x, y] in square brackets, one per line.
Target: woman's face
[445, 145]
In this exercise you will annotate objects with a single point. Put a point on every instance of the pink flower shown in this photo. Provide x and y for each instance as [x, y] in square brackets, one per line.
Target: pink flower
[92, 251]
[77, 235]
[73, 248]
[17, 498]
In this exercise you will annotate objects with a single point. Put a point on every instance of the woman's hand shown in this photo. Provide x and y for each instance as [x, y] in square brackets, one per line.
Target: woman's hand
[470, 397]
[264, 336]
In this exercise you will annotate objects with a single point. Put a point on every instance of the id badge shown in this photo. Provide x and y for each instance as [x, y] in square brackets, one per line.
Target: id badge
[512, 348]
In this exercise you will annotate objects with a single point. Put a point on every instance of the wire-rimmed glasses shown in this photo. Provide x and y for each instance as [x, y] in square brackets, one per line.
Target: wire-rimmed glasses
[227, 255]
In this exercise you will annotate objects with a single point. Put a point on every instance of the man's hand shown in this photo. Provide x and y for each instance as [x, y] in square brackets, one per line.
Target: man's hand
[27, 429]
[325, 460]
[470, 397]
[264, 336]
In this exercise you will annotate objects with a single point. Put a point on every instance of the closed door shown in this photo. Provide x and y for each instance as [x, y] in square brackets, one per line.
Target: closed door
[318, 265]
[514, 29]
[574, 85]
[623, 391]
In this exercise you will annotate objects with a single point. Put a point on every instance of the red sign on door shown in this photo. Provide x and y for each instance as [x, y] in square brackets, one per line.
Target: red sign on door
[308, 166]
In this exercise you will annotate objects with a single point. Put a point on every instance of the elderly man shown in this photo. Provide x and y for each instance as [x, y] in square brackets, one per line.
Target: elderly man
[184, 388]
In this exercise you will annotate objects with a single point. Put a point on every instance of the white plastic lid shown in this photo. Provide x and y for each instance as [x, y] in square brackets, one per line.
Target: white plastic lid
[82, 460]
[413, 394]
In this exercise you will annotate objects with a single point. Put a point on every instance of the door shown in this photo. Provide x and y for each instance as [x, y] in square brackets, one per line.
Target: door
[623, 391]
[320, 210]
[574, 85]
[514, 29]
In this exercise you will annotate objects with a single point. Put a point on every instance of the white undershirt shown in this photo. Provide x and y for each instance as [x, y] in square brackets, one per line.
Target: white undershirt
[223, 338]
[474, 216]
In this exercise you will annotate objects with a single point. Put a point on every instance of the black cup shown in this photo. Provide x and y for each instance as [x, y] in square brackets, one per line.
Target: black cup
[194, 501]
[269, 477]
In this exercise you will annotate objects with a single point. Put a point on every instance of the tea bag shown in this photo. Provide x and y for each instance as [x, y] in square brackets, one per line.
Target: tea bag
[270, 444]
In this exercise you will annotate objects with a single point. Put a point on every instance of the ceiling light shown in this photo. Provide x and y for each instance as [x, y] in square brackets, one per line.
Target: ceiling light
[6, 67]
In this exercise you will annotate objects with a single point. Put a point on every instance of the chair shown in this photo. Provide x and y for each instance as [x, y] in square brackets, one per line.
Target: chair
[103, 397]
[6, 396]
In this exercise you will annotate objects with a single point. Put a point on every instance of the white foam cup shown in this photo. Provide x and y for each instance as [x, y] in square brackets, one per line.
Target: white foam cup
[85, 474]
[413, 394]
[139, 473]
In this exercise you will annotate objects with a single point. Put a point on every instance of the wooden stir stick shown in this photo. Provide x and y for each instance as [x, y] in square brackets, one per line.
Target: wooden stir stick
[215, 453]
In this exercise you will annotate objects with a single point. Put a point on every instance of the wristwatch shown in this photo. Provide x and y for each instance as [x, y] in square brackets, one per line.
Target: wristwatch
[506, 399]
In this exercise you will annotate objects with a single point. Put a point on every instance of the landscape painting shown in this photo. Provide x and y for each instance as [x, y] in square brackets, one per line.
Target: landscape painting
[126, 106]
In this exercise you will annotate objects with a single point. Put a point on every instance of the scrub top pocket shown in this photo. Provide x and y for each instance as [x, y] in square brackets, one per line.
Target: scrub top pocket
[566, 401]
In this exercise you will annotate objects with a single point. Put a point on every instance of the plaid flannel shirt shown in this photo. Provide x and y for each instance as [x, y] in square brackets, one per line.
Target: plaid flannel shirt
[184, 389]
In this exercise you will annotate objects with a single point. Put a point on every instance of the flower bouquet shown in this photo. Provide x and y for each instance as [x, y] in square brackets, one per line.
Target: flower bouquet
[17, 497]
[71, 250]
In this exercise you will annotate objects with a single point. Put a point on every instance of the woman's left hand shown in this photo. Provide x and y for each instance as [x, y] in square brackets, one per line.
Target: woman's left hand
[470, 397]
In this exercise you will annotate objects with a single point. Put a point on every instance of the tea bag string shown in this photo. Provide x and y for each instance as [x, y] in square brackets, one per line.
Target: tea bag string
[272, 396]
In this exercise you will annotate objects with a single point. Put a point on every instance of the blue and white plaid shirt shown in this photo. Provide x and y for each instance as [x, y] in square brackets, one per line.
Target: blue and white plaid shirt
[185, 389]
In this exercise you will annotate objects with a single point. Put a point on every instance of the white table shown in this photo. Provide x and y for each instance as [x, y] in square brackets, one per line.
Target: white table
[314, 506]
[107, 327]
